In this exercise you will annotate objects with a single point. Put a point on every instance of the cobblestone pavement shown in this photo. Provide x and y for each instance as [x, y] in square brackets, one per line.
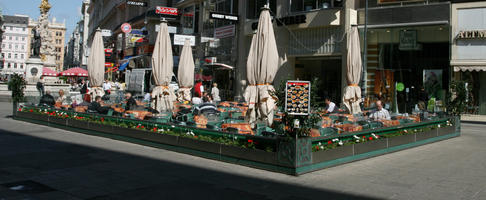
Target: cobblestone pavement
[51, 163]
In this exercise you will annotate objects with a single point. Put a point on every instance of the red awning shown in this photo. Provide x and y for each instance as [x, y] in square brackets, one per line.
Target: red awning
[48, 72]
[77, 71]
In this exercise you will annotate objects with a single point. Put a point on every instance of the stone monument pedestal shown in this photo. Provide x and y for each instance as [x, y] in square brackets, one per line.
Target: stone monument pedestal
[33, 70]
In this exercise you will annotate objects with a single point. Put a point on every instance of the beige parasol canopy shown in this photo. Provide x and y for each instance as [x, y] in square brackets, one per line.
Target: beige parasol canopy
[352, 93]
[96, 66]
[262, 65]
[185, 73]
[162, 62]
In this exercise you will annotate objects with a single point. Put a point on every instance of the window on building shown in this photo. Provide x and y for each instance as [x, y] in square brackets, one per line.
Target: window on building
[16, 38]
[306, 5]
[23, 47]
[8, 65]
[21, 66]
[16, 46]
[254, 8]
[16, 56]
[10, 37]
[9, 55]
[3, 55]
[23, 38]
[23, 29]
[10, 27]
[15, 65]
[21, 56]
[3, 46]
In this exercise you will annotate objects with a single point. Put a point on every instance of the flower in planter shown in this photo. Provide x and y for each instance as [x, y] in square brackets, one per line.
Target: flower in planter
[20, 109]
[335, 140]
[154, 129]
[329, 142]
[438, 126]
[375, 136]
[102, 119]
[370, 138]
[250, 141]
[31, 110]
[340, 143]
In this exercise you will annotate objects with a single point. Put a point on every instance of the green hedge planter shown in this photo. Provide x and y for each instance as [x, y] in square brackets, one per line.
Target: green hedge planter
[292, 156]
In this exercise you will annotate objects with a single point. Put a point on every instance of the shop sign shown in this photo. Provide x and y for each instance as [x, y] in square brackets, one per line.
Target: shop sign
[145, 49]
[297, 97]
[106, 32]
[137, 3]
[126, 28]
[172, 29]
[408, 40]
[109, 64]
[396, 1]
[475, 34]
[230, 17]
[224, 31]
[180, 39]
[166, 11]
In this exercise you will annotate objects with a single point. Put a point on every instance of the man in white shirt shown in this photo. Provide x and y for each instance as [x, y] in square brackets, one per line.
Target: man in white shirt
[330, 106]
[380, 113]
[106, 86]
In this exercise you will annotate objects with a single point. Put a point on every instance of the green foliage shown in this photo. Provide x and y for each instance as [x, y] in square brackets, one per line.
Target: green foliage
[17, 85]
[456, 98]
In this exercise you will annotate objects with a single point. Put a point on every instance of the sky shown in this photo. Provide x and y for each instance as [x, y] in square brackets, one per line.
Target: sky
[68, 10]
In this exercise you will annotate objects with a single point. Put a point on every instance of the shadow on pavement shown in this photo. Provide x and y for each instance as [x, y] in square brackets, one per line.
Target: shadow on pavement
[93, 173]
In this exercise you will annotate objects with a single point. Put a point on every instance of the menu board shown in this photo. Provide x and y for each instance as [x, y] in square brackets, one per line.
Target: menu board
[297, 97]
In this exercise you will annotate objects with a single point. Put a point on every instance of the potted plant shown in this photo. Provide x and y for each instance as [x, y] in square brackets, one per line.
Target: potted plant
[16, 85]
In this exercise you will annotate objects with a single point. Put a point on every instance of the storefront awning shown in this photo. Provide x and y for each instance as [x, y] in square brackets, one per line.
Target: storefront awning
[469, 68]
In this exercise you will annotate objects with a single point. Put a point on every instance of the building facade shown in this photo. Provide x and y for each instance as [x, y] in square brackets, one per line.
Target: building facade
[14, 46]
[72, 54]
[406, 42]
[468, 50]
[58, 31]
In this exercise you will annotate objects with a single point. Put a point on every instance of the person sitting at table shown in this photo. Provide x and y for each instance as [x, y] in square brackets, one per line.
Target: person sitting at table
[47, 99]
[131, 103]
[62, 97]
[380, 113]
[196, 100]
[95, 106]
[330, 106]
[205, 108]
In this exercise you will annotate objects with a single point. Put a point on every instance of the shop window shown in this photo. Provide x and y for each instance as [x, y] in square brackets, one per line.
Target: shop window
[189, 20]
[307, 5]
[255, 6]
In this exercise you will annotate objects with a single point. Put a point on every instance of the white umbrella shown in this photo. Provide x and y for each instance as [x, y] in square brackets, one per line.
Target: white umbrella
[96, 66]
[352, 93]
[185, 73]
[163, 96]
[262, 65]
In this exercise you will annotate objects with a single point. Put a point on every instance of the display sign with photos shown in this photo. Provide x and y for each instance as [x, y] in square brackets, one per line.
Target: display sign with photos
[297, 97]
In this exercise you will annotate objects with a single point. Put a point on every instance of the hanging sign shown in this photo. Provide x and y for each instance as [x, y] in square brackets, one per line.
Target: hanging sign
[166, 11]
[230, 17]
[126, 28]
[180, 39]
[400, 86]
[224, 31]
[297, 97]
[137, 3]
[106, 32]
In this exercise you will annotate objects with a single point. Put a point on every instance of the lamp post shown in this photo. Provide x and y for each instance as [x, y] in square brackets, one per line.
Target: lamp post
[365, 51]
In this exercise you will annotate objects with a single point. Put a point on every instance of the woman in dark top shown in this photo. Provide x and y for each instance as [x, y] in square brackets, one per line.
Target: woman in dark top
[131, 103]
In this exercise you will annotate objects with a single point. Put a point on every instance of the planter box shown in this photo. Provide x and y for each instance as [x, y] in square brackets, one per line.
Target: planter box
[58, 121]
[249, 154]
[446, 130]
[127, 132]
[368, 146]
[77, 123]
[34, 116]
[199, 145]
[426, 135]
[332, 154]
[400, 140]
[100, 127]
[160, 138]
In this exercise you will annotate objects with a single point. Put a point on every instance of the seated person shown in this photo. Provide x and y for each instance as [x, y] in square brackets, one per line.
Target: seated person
[62, 98]
[205, 108]
[131, 103]
[95, 106]
[380, 113]
[47, 99]
[330, 106]
[196, 100]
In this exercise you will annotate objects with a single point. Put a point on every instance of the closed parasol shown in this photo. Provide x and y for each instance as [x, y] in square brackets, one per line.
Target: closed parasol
[352, 92]
[163, 97]
[185, 73]
[262, 65]
[96, 66]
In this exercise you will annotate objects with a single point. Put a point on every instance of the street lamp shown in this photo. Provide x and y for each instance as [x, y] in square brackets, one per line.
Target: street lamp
[365, 51]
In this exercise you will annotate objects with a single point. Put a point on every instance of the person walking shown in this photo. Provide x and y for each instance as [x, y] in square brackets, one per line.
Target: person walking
[215, 93]
[40, 86]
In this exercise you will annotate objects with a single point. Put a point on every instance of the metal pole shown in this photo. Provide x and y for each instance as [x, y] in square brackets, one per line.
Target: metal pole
[365, 52]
